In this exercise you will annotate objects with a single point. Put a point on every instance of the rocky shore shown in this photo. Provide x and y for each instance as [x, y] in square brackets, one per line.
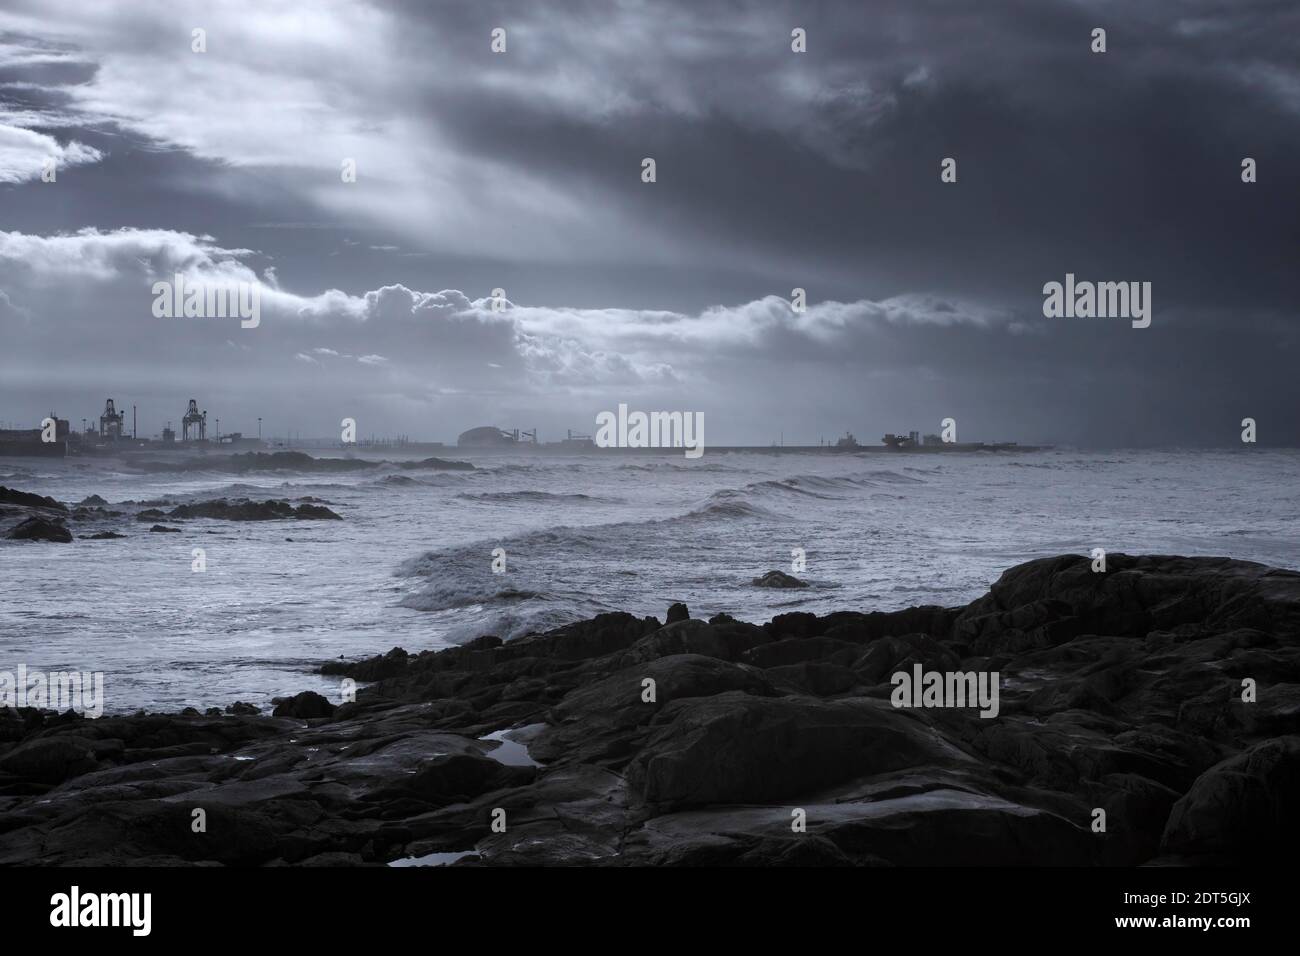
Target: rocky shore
[38, 518]
[1149, 713]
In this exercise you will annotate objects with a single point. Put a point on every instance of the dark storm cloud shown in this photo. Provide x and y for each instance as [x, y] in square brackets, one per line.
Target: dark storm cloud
[775, 170]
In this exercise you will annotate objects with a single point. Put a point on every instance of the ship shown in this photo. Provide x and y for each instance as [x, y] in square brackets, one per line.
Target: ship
[31, 442]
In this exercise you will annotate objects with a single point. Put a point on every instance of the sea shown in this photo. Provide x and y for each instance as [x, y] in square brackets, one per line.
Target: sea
[429, 559]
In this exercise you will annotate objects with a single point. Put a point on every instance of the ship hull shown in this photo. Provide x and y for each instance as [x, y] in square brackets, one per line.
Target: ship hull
[33, 449]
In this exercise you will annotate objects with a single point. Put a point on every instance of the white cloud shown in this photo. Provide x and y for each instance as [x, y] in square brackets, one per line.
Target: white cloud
[417, 358]
[400, 331]
[24, 154]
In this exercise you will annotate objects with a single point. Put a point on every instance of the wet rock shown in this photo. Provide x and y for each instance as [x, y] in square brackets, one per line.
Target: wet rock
[305, 705]
[678, 612]
[12, 496]
[163, 528]
[315, 512]
[373, 669]
[102, 536]
[778, 579]
[246, 510]
[39, 529]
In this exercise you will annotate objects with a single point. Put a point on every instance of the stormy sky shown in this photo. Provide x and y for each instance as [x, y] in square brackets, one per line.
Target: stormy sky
[522, 170]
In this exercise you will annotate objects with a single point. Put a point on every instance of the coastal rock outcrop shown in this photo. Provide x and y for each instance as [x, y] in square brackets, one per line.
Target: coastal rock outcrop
[12, 496]
[778, 579]
[244, 509]
[1164, 692]
[39, 529]
[305, 705]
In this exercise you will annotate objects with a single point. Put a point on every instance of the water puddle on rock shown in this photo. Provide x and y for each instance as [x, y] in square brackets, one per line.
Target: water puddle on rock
[513, 749]
[433, 859]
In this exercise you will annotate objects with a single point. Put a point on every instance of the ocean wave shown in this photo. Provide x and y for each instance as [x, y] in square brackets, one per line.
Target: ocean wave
[884, 474]
[729, 505]
[676, 466]
[791, 486]
[466, 589]
[814, 486]
[510, 623]
[536, 497]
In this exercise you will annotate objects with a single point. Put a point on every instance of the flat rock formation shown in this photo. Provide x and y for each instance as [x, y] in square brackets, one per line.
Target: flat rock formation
[1150, 713]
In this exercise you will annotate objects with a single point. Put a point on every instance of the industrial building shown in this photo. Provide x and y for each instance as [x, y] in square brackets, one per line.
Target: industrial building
[489, 436]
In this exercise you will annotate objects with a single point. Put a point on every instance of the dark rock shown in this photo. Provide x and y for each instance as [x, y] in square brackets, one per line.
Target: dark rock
[794, 650]
[39, 529]
[245, 510]
[305, 705]
[375, 668]
[685, 637]
[12, 496]
[778, 579]
[593, 719]
[93, 501]
[678, 612]
[164, 528]
[734, 747]
[102, 536]
[239, 708]
[819, 678]
[316, 512]
[1244, 807]
[49, 759]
